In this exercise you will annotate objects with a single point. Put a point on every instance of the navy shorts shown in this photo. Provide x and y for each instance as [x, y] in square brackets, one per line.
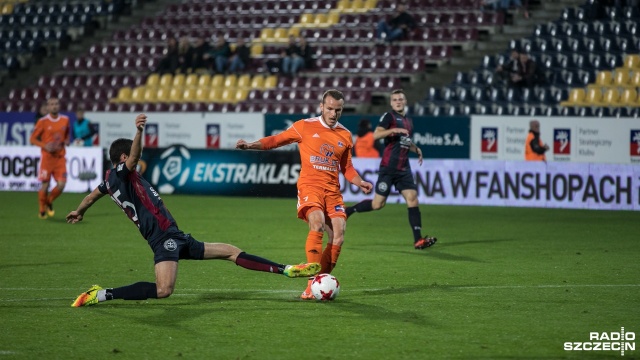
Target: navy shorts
[402, 180]
[177, 246]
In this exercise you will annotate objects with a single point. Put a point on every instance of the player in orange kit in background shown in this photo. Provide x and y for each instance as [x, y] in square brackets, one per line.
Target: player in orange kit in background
[325, 150]
[51, 134]
[365, 146]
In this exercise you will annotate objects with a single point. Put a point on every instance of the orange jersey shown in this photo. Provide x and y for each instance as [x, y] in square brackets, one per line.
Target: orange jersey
[50, 130]
[324, 152]
[365, 146]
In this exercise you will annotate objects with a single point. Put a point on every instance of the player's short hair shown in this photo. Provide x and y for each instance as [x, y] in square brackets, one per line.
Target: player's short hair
[119, 147]
[336, 94]
[398, 91]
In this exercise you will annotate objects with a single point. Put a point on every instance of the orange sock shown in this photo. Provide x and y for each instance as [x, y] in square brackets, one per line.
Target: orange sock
[326, 259]
[313, 246]
[54, 194]
[330, 258]
[42, 200]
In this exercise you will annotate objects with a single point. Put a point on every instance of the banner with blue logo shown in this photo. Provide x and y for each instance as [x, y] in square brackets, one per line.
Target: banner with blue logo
[181, 170]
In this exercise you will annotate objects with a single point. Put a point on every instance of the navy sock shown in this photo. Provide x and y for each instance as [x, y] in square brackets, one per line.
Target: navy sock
[415, 221]
[257, 263]
[138, 291]
[362, 206]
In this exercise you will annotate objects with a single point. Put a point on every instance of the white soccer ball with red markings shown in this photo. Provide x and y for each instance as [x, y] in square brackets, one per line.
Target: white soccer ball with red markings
[325, 287]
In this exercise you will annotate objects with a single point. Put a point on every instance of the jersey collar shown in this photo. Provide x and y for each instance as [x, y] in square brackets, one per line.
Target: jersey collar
[327, 125]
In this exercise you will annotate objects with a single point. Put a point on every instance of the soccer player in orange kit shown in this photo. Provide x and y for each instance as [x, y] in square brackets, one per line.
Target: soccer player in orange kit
[51, 134]
[325, 150]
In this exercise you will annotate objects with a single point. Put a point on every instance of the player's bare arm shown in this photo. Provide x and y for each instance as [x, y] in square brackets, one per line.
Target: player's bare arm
[78, 214]
[136, 146]
[381, 132]
[418, 151]
[243, 145]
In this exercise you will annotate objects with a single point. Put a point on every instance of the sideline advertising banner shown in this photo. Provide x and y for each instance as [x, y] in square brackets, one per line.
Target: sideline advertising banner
[180, 170]
[570, 139]
[19, 166]
[509, 183]
[193, 130]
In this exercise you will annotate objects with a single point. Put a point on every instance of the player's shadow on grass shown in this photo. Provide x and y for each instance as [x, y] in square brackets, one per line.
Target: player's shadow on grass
[365, 310]
[380, 313]
[157, 313]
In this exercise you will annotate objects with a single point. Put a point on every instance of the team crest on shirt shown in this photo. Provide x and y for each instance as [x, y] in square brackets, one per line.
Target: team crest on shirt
[340, 144]
[327, 150]
[170, 245]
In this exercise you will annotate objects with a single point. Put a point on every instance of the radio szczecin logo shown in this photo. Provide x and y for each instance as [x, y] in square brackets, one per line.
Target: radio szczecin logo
[606, 341]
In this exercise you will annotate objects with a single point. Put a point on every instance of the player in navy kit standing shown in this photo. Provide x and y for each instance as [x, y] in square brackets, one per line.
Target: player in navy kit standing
[396, 130]
[142, 204]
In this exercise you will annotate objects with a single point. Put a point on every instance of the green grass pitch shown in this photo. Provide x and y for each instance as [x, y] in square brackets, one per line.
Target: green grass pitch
[501, 283]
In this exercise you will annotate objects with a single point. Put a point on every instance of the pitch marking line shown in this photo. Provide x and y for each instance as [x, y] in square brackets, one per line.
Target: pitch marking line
[463, 287]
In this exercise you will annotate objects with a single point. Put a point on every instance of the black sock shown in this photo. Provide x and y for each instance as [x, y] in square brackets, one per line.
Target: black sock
[362, 206]
[415, 221]
[257, 263]
[138, 291]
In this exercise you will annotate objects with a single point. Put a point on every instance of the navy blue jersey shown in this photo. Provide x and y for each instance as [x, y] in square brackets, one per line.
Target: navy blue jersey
[140, 201]
[396, 147]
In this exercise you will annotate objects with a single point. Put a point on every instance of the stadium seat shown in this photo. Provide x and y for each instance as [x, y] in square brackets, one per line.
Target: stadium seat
[634, 80]
[189, 94]
[124, 95]
[191, 80]
[576, 98]
[166, 80]
[257, 82]
[175, 94]
[611, 97]
[150, 94]
[271, 82]
[217, 81]
[162, 94]
[244, 81]
[629, 97]
[153, 80]
[137, 94]
[178, 80]
[204, 81]
[230, 81]
[202, 94]
[603, 79]
[621, 78]
[215, 95]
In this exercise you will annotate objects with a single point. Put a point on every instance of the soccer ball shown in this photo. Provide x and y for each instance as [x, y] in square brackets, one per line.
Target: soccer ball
[325, 287]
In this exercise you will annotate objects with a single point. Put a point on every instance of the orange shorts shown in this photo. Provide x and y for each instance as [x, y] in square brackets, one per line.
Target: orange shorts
[56, 167]
[330, 202]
